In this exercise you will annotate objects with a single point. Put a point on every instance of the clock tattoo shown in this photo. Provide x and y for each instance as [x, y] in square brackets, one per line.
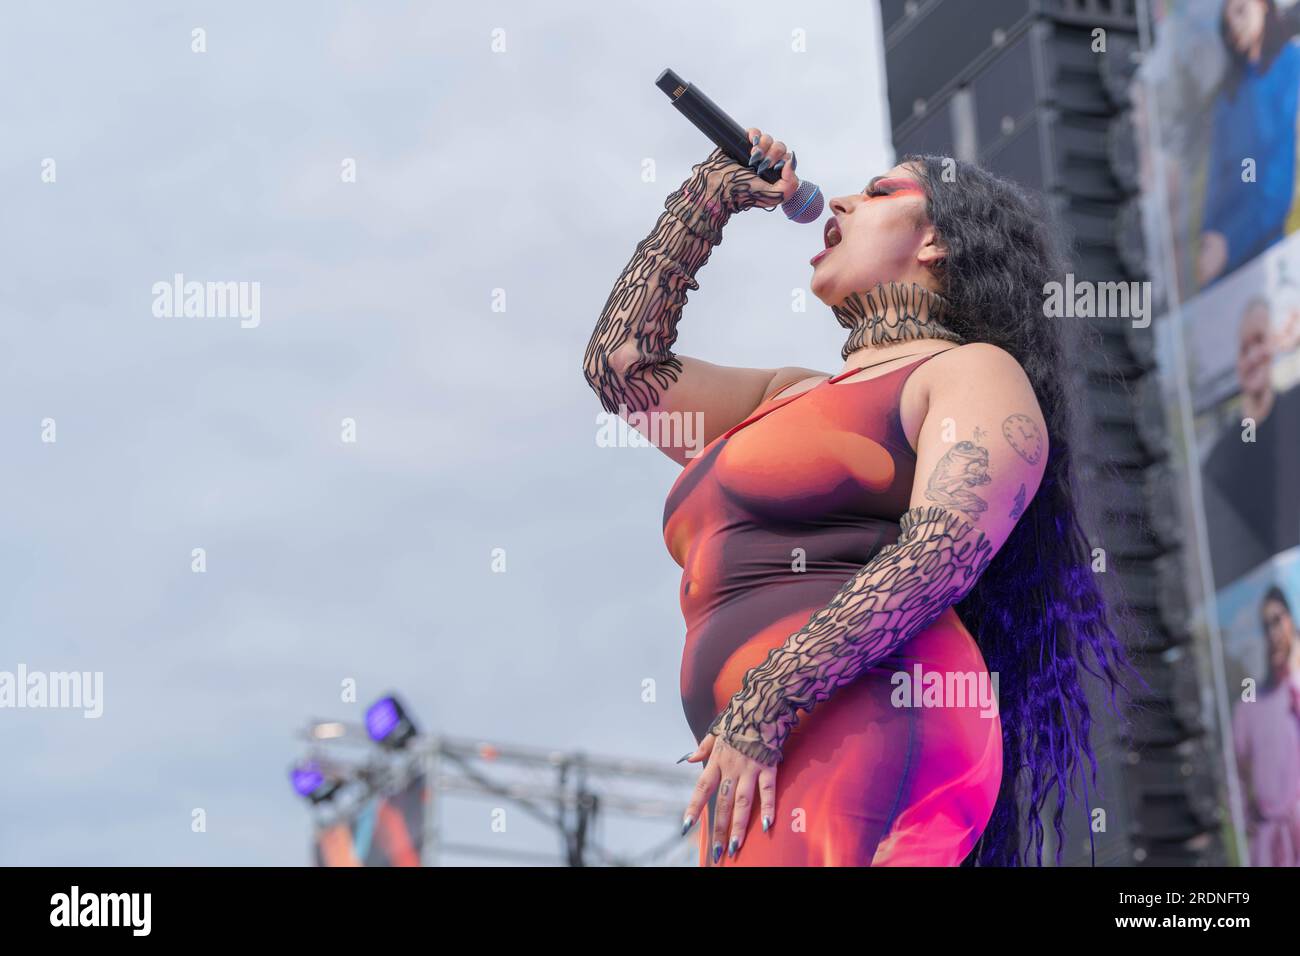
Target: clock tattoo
[1023, 435]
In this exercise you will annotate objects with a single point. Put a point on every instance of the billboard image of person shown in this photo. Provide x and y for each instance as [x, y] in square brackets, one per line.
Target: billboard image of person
[1242, 352]
[1252, 473]
[1217, 106]
[1266, 737]
[1250, 178]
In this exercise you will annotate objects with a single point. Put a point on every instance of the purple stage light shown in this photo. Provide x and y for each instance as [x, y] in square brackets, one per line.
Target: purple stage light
[387, 723]
[307, 779]
[381, 718]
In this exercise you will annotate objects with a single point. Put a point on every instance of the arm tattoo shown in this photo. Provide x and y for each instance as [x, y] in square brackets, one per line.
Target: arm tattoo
[892, 312]
[934, 563]
[962, 468]
[641, 314]
[1018, 508]
[1023, 435]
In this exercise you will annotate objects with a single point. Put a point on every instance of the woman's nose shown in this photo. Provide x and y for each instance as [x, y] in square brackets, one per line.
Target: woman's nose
[841, 204]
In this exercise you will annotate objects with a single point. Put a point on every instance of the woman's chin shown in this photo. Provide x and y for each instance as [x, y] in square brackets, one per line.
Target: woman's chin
[820, 287]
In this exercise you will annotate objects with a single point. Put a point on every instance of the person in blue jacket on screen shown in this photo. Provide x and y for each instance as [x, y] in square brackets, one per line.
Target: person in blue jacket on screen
[1254, 119]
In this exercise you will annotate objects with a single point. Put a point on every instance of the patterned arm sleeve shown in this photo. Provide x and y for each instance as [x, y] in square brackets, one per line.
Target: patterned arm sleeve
[629, 358]
[934, 563]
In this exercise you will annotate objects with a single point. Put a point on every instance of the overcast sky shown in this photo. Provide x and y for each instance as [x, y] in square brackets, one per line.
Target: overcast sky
[327, 560]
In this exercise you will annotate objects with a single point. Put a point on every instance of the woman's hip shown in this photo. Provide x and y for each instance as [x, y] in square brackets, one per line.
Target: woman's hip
[902, 764]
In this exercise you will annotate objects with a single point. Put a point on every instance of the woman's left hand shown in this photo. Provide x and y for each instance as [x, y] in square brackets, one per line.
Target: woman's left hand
[739, 781]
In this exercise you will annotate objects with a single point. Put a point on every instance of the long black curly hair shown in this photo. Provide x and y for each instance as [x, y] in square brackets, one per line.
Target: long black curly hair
[1038, 612]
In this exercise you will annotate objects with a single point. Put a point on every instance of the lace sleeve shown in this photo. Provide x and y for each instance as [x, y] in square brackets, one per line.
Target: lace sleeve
[629, 357]
[934, 563]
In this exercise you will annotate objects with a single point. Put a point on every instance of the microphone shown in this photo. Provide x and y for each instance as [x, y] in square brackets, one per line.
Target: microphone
[729, 136]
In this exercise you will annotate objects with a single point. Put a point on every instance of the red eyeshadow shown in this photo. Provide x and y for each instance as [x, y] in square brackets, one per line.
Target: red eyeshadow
[900, 185]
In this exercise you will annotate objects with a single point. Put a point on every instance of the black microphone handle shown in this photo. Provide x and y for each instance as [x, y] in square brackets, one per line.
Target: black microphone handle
[709, 119]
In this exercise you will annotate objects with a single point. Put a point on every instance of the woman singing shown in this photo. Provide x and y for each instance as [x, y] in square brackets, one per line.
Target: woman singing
[839, 534]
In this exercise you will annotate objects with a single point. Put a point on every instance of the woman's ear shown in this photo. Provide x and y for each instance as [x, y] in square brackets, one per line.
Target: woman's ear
[933, 251]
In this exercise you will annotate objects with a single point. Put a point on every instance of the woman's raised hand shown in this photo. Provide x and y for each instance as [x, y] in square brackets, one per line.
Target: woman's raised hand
[740, 186]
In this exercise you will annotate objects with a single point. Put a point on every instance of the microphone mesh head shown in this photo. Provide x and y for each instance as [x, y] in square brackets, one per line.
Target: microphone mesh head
[806, 204]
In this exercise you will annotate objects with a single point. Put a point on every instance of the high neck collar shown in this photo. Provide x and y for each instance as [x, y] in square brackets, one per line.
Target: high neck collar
[893, 312]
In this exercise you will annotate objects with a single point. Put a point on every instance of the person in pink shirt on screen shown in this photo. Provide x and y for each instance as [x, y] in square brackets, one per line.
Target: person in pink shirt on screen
[1266, 735]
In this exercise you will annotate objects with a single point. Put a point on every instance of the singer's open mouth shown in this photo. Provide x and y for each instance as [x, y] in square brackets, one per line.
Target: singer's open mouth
[831, 234]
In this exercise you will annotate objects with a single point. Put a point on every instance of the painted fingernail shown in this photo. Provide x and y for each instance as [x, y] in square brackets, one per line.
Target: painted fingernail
[717, 852]
[685, 756]
[777, 167]
[762, 167]
[794, 161]
[767, 822]
[686, 824]
[753, 157]
[733, 846]
[755, 139]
